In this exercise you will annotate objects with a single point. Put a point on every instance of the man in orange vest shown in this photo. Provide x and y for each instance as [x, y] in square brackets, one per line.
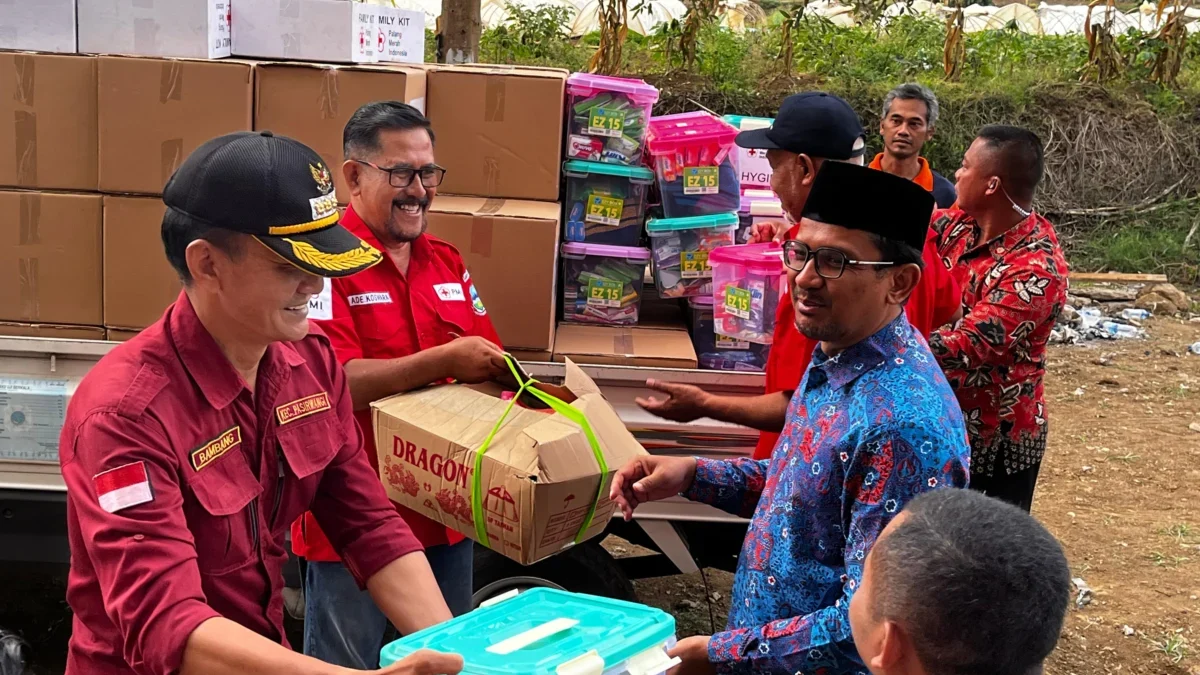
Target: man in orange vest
[910, 113]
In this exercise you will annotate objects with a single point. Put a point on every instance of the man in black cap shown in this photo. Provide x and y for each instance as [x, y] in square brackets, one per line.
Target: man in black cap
[872, 424]
[188, 450]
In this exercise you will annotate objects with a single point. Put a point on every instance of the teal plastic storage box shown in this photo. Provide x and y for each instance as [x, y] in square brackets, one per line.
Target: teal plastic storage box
[545, 631]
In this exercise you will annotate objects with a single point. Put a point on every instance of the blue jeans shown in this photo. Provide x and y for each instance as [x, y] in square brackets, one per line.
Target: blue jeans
[342, 625]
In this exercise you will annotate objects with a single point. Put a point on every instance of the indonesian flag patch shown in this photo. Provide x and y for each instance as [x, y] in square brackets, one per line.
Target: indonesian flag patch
[123, 487]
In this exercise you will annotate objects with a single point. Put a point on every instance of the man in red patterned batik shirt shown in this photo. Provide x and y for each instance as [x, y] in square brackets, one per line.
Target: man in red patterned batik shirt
[1014, 280]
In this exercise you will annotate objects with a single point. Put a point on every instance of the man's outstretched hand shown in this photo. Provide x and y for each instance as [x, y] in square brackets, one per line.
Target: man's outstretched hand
[683, 402]
[650, 478]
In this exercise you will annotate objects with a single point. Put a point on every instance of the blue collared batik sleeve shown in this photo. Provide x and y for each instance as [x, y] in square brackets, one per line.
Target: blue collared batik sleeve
[887, 469]
[733, 486]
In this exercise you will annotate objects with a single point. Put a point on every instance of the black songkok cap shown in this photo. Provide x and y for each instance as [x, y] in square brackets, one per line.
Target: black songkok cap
[860, 198]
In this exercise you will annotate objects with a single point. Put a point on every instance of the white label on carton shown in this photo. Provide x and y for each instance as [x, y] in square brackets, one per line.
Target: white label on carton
[220, 43]
[363, 33]
[754, 167]
[399, 35]
[32, 411]
[320, 306]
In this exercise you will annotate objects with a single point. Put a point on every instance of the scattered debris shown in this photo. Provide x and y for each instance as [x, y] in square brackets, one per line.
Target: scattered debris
[1128, 631]
[1083, 595]
[1195, 426]
[1108, 381]
[715, 597]
[1195, 348]
[1088, 469]
[683, 605]
[1135, 314]
[1079, 391]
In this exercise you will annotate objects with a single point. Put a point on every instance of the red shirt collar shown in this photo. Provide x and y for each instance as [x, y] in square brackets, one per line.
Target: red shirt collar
[206, 363]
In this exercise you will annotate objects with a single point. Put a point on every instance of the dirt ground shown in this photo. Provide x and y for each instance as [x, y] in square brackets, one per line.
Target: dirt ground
[1120, 488]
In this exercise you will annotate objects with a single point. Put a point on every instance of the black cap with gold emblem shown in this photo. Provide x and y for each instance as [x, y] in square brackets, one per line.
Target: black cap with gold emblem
[277, 190]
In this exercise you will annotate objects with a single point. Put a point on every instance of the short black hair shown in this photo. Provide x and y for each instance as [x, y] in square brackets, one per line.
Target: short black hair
[179, 230]
[979, 585]
[1022, 158]
[913, 91]
[891, 250]
[361, 135]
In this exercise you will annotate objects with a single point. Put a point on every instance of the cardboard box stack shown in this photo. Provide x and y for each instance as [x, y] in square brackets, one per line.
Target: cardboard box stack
[313, 102]
[187, 28]
[499, 135]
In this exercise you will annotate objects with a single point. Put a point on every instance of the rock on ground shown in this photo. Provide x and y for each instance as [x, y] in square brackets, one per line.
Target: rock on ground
[1156, 304]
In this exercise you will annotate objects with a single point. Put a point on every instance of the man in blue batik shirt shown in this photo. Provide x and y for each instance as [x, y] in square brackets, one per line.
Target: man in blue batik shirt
[873, 424]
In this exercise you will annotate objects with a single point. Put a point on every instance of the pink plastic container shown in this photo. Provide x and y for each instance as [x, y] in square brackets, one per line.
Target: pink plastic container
[608, 118]
[757, 206]
[693, 159]
[747, 284]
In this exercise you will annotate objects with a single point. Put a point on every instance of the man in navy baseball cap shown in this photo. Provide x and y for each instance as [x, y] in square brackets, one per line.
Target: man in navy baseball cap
[814, 124]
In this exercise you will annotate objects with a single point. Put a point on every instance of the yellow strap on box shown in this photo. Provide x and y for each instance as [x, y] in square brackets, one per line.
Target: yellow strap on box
[557, 405]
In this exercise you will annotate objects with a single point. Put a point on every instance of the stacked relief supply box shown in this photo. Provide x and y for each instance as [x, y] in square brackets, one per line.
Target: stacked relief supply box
[38, 25]
[185, 28]
[50, 274]
[152, 114]
[499, 136]
[312, 103]
[334, 31]
[509, 247]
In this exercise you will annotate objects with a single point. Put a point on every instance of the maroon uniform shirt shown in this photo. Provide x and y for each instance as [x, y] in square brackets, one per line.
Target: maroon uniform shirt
[181, 483]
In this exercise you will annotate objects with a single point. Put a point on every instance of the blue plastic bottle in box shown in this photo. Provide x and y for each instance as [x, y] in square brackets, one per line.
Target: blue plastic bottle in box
[546, 631]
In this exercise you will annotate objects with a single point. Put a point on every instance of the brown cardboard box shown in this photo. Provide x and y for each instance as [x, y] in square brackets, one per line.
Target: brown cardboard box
[48, 330]
[154, 112]
[499, 129]
[50, 258]
[119, 334]
[539, 476]
[312, 103]
[511, 251]
[139, 283]
[534, 355]
[611, 346]
[51, 101]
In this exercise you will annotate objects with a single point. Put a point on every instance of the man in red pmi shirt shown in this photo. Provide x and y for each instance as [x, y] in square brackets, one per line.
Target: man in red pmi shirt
[412, 320]
[811, 128]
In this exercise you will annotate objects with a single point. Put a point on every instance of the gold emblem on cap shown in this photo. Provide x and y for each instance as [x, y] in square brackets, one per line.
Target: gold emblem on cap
[363, 256]
[321, 175]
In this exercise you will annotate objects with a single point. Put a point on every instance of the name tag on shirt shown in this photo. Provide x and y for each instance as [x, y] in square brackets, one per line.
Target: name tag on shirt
[320, 306]
[450, 292]
[361, 299]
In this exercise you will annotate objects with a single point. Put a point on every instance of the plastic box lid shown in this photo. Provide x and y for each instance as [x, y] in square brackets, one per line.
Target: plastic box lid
[664, 138]
[539, 630]
[577, 168]
[755, 204]
[664, 225]
[745, 122]
[585, 83]
[701, 302]
[631, 253]
[762, 258]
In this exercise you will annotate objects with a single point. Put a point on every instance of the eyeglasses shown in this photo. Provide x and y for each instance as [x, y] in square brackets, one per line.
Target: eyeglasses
[402, 176]
[830, 262]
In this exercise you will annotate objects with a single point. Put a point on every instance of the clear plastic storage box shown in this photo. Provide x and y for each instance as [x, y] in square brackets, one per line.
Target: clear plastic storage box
[608, 118]
[717, 352]
[546, 631]
[603, 284]
[696, 167]
[680, 249]
[747, 283]
[606, 203]
[757, 206]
